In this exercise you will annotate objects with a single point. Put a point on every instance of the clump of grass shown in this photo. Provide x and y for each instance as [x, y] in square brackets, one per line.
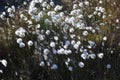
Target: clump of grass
[48, 42]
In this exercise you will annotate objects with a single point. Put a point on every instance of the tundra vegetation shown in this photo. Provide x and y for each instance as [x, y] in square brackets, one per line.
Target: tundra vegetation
[79, 40]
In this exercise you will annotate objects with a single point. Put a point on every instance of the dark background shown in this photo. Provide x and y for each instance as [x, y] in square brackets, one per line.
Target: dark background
[17, 3]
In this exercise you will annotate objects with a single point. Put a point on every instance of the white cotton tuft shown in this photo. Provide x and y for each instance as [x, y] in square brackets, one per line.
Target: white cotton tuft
[100, 55]
[81, 64]
[19, 40]
[4, 62]
[54, 66]
[30, 43]
[52, 44]
[21, 45]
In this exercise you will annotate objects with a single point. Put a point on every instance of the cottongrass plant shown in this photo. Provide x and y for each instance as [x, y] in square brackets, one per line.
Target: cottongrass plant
[48, 42]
